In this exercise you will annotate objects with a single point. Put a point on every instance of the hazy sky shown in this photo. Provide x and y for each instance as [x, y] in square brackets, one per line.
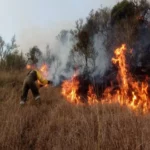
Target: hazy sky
[31, 19]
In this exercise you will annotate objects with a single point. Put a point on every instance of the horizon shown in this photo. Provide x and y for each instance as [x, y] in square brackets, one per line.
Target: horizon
[39, 22]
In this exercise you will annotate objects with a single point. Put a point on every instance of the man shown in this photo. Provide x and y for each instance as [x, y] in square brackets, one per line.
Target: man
[30, 82]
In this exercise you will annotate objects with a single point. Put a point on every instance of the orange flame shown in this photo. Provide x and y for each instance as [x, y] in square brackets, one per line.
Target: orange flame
[92, 97]
[44, 69]
[132, 93]
[28, 67]
[70, 88]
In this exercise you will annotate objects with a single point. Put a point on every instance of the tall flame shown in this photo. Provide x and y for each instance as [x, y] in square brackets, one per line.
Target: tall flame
[131, 93]
[70, 88]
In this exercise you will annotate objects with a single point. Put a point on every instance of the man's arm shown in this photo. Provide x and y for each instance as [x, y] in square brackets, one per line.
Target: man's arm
[42, 80]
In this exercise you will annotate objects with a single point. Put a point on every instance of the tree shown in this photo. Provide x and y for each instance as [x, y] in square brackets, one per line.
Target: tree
[82, 39]
[34, 54]
[15, 60]
[6, 49]
[122, 10]
[2, 44]
[84, 46]
[63, 36]
[97, 22]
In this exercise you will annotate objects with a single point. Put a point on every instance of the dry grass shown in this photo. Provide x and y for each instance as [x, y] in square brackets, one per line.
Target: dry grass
[58, 125]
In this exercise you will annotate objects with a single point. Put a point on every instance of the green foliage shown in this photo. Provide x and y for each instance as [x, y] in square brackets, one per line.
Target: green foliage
[84, 46]
[83, 40]
[112, 27]
[122, 10]
[84, 34]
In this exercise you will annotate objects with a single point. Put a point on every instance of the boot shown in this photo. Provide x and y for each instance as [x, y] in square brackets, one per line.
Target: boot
[22, 102]
[38, 100]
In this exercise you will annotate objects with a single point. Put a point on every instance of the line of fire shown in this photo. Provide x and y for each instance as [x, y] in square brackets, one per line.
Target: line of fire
[127, 82]
[123, 83]
[118, 86]
[124, 89]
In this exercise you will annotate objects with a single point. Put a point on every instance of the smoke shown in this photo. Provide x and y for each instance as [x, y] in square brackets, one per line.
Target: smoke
[147, 15]
[61, 52]
[102, 59]
[59, 48]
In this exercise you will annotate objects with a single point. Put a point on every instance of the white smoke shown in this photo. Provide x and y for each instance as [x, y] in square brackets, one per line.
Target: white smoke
[102, 59]
[147, 16]
[62, 52]
[41, 37]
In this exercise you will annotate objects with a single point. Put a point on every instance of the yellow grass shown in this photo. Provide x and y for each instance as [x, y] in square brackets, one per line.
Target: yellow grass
[59, 125]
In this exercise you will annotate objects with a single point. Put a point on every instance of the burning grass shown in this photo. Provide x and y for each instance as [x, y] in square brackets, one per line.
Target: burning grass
[131, 93]
[57, 124]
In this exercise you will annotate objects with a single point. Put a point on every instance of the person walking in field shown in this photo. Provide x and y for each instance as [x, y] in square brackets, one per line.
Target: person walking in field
[33, 81]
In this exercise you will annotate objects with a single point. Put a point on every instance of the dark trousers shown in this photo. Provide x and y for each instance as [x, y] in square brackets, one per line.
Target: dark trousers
[27, 85]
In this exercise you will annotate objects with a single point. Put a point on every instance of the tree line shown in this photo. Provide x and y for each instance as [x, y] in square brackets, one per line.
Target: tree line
[127, 22]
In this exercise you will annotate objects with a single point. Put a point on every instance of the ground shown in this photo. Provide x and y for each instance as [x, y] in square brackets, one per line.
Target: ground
[59, 125]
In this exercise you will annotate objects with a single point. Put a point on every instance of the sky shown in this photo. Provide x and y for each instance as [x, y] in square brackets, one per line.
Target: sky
[39, 21]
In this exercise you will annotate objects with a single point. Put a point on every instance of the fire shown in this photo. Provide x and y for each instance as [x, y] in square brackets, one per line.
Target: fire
[70, 88]
[44, 70]
[28, 67]
[133, 94]
[92, 97]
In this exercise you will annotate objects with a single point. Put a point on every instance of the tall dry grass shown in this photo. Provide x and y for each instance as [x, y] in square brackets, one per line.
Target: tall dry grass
[59, 125]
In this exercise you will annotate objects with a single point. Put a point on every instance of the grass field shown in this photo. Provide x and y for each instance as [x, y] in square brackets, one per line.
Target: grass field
[59, 125]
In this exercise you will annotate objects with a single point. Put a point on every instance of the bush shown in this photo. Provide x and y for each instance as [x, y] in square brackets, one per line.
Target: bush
[122, 10]
[15, 60]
